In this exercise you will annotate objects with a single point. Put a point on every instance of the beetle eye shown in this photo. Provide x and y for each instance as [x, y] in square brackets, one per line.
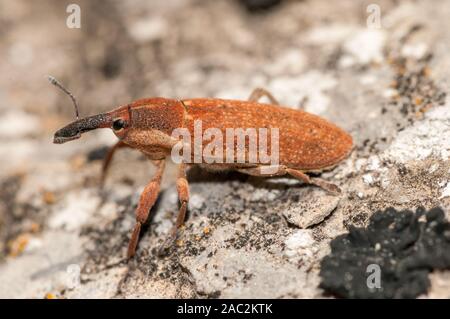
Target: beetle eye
[118, 124]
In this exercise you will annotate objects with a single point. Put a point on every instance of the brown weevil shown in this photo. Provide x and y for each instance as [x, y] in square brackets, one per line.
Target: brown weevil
[305, 142]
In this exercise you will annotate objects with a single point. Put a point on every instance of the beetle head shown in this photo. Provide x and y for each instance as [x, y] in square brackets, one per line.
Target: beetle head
[118, 120]
[141, 124]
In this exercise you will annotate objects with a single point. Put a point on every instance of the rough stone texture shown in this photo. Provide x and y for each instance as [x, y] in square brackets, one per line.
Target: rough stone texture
[387, 86]
[315, 206]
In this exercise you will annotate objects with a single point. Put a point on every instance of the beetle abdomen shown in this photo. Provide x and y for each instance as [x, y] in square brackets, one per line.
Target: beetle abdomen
[306, 141]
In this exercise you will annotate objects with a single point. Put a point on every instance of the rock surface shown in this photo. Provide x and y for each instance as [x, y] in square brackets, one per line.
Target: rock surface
[60, 235]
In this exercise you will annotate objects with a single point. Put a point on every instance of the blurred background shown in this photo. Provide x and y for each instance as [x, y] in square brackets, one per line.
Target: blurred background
[372, 68]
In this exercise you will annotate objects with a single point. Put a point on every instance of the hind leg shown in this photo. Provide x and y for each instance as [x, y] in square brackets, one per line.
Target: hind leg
[330, 187]
[183, 196]
[280, 170]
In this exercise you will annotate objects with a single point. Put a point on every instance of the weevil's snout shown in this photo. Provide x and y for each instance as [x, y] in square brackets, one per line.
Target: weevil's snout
[63, 136]
[74, 130]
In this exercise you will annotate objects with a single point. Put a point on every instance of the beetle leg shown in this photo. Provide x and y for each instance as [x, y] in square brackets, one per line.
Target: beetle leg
[259, 93]
[283, 170]
[108, 159]
[303, 102]
[146, 202]
[330, 187]
[183, 195]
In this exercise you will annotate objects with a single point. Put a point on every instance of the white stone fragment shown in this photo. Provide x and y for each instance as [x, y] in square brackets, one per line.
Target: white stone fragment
[416, 50]
[312, 209]
[427, 138]
[149, 29]
[74, 211]
[289, 62]
[196, 201]
[373, 163]
[368, 179]
[433, 168]
[300, 245]
[366, 46]
[445, 191]
[17, 123]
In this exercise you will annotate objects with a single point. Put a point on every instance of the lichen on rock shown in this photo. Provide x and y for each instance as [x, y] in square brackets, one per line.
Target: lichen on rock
[405, 246]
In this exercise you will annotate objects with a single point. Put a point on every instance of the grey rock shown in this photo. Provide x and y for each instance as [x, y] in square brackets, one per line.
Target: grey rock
[312, 208]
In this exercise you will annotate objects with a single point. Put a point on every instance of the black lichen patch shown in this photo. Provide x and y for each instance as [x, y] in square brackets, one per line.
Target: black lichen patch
[405, 245]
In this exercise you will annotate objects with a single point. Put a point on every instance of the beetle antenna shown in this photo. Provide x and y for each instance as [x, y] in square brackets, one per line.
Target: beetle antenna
[56, 83]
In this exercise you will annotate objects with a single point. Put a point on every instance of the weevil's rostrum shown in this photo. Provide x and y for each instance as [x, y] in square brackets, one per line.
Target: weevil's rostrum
[73, 131]
[306, 142]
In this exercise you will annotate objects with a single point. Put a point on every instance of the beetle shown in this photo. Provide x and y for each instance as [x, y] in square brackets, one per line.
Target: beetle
[307, 143]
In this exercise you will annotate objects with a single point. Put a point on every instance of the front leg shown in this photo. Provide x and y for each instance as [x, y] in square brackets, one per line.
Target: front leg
[183, 196]
[108, 159]
[146, 202]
